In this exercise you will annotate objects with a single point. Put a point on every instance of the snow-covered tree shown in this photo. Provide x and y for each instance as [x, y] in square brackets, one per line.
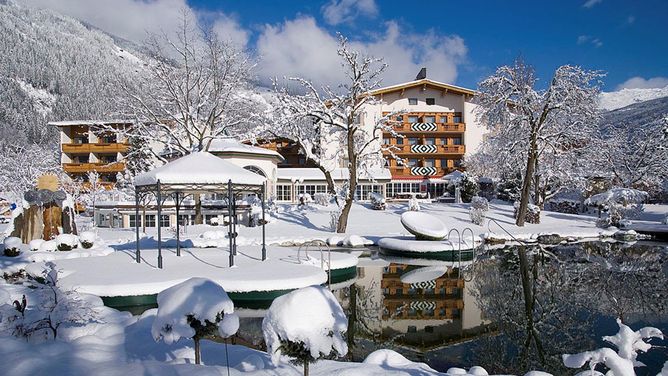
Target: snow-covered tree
[527, 122]
[195, 308]
[22, 165]
[621, 203]
[285, 331]
[328, 123]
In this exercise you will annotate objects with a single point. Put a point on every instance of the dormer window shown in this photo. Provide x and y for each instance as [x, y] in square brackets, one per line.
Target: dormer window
[412, 101]
[430, 101]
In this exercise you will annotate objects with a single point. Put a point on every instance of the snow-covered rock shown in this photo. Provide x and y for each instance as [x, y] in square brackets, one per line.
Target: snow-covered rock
[423, 225]
[311, 316]
[35, 244]
[201, 298]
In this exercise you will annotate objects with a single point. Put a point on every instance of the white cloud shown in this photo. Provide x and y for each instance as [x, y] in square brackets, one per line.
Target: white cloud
[301, 48]
[135, 19]
[630, 20]
[591, 3]
[642, 83]
[587, 39]
[340, 11]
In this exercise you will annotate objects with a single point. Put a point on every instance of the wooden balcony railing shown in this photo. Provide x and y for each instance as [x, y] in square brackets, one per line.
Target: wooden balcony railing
[99, 167]
[427, 149]
[420, 171]
[95, 148]
[429, 127]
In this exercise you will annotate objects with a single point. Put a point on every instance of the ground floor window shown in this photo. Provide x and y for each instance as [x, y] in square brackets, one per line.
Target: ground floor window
[186, 219]
[283, 193]
[150, 220]
[363, 190]
[311, 189]
[164, 220]
[393, 189]
[133, 220]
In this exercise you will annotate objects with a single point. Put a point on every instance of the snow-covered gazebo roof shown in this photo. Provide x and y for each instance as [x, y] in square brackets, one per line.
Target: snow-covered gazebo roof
[454, 175]
[231, 146]
[198, 172]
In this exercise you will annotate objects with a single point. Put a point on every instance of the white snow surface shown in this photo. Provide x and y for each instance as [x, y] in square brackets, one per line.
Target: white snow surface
[425, 274]
[199, 168]
[12, 242]
[232, 145]
[88, 236]
[311, 316]
[422, 246]
[626, 97]
[198, 297]
[424, 224]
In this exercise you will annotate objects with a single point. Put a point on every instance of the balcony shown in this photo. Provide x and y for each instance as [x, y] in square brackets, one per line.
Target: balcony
[428, 149]
[429, 127]
[95, 148]
[99, 167]
[420, 172]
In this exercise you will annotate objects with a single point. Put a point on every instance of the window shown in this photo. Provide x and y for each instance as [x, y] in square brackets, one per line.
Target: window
[412, 141]
[444, 163]
[458, 163]
[430, 101]
[413, 119]
[412, 101]
[457, 118]
[283, 192]
[150, 220]
[164, 220]
[186, 219]
[457, 141]
[80, 140]
[80, 159]
[107, 158]
[400, 140]
[430, 141]
[444, 118]
[256, 170]
[311, 189]
[429, 118]
[429, 163]
[302, 161]
[133, 220]
[386, 141]
[412, 162]
[400, 118]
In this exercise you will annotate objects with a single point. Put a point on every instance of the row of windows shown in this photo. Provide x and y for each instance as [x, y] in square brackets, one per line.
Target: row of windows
[430, 162]
[395, 188]
[456, 118]
[184, 219]
[149, 220]
[425, 141]
[284, 191]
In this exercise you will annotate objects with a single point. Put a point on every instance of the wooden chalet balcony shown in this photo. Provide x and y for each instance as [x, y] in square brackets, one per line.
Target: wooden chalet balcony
[95, 148]
[429, 127]
[99, 167]
[420, 172]
[428, 149]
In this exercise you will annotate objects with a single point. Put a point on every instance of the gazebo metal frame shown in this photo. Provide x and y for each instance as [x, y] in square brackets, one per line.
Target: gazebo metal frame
[179, 191]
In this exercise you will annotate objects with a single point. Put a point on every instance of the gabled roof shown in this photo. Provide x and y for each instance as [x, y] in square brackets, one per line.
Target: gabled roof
[66, 123]
[232, 146]
[199, 168]
[423, 82]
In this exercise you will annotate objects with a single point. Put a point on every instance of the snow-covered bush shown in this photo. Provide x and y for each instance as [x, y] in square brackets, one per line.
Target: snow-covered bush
[468, 186]
[621, 203]
[285, 331]
[509, 189]
[413, 204]
[664, 221]
[66, 242]
[622, 361]
[35, 245]
[12, 246]
[377, 201]
[322, 198]
[478, 211]
[195, 308]
[49, 246]
[334, 219]
[87, 239]
[213, 221]
[533, 213]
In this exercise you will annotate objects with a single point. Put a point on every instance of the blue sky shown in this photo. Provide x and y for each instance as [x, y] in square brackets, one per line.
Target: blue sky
[459, 42]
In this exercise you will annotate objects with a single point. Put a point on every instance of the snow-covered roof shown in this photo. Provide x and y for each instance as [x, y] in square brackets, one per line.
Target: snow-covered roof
[425, 81]
[311, 174]
[233, 146]
[456, 174]
[66, 123]
[199, 168]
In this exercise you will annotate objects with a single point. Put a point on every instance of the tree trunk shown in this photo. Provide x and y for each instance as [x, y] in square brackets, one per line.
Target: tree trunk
[198, 358]
[143, 223]
[198, 209]
[331, 188]
[352, 184]
[306, 368]
[526, 183]
[352, 318]
[537, 189]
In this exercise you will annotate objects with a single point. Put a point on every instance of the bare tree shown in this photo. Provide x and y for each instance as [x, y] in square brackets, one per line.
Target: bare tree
[531, 121]
[334, 119]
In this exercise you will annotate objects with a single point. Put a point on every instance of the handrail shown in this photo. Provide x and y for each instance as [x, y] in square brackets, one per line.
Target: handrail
[459, 252]
[319, 243]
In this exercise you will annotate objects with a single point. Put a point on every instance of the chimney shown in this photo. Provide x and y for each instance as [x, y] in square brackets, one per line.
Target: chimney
[422, 75]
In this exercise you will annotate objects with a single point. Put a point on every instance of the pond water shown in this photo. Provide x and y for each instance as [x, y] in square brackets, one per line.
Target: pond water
[446, 314]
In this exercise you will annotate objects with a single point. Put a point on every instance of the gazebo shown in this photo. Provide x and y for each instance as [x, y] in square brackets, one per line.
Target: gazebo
[198, 173]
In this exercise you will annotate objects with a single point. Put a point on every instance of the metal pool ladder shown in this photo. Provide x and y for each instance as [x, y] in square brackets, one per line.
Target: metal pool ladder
[459, 251]
[321, 245]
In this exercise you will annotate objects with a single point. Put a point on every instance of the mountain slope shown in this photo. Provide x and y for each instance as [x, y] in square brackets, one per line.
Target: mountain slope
[625, 97]
[639, 114]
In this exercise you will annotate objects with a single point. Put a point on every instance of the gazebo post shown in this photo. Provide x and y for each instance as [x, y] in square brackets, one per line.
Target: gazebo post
[234, 223]
[137, 219]
[264, 244]
[159, 198]
[229, 224]
[178, 227]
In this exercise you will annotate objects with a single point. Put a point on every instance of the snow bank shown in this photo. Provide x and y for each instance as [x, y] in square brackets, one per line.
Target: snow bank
[12, 242]
[422, 246]
[425, 274]
[424, 225]
[197, 297]
[311, 316]
[35, 244]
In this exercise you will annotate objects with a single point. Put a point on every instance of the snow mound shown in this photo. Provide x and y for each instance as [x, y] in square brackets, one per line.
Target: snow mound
[387, 358]
[12, 242]
[88, 237]
[35, 244]
[423, 225]
[311, 316]
[49, 246]
[199, 297]
[68, 239]
[425, 274]
[250, 363]
[421, 246]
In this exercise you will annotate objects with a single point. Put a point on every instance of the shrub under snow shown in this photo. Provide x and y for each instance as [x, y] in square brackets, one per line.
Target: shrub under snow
[621, 203]
[194, 309]
[322, 198]
[12, 246]
[36, 244]
[306, 324]
[479, 208]
[87, 239]
[66, 242]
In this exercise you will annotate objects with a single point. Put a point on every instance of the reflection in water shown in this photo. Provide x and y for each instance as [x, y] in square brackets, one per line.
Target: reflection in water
[511, 311]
